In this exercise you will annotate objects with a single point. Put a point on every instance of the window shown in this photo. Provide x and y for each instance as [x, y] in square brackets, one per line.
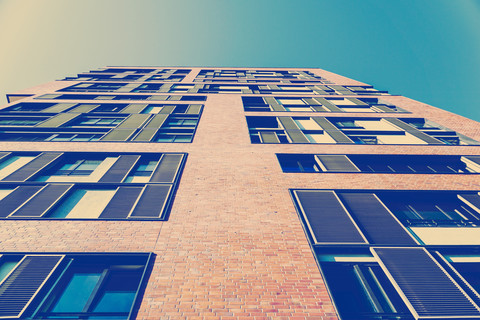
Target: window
[72, 286]
[113, 107]
[28, 107]
[21, 121]
[362, 291]
[173, 138]
[377, 163]
[258, 76]
[94, 86]
[384, 284]
[95, 122]
[120, 97]
[66, 137]
[54, 185]
[124, 70]
[350, 130]
[375, 262]
[141, 123]
[38, 136]
[393, 217]
[432, 209]
[77, 167]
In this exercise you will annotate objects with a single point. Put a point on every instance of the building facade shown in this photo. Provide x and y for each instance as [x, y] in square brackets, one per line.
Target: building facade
[235, 193]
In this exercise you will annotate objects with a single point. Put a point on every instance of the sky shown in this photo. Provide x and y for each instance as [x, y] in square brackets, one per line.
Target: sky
[427, 50]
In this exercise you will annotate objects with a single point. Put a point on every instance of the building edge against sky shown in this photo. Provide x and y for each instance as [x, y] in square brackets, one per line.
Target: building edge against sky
[235, 193]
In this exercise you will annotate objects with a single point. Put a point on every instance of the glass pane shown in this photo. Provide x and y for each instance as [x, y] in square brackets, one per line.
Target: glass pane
[6, 265]
[77, 292]
[66, 206]
[183, 139]
[115, 302]
[70, 166]
[89, 165]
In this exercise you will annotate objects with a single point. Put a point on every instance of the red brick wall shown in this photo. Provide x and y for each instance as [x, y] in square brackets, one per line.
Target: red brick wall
[233, 247]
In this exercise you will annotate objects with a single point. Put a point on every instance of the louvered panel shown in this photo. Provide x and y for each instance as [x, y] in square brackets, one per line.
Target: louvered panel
[311, 101]
[118, 135]
[20, 287]
[33, 167]
[121, 203]
[58, 120]
[16, 198]
[134, 108]
[157, 121]
[384, 108]
[194, 109]
[329, 105]
[341, 89]
[333, 131]
[59, 107]
[472, 200]
[167, 168]
[474, 159]
[380, 225]
[427, 288]
[413, 131]
[288, 123]
[84, 108]
[152, 202]
[167, 109]
[42, 201]
[4, 155]
[119, 170]
[336, 163]
[133, 121]
[357, 101]
[327, 219]
[297, 136]
[269, 137]
[145, 135]
[274, 104]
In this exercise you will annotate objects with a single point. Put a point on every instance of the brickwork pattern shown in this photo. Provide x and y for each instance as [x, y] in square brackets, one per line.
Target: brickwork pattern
[233, 247]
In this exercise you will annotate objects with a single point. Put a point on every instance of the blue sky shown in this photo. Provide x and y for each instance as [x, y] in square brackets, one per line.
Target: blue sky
[428, 50]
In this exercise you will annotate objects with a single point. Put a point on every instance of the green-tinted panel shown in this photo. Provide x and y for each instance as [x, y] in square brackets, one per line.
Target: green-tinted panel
[296, 136]
[357, 101]
[159, 98]
[128, 88]
[274, 104]
[384, 108]
[413, 131]
[4, 155]
[269, 137]
[311, 101]
[341, 89]
[49, 96]
[145, 135]
[335, 133]
[134, 108]
[174, 98]
[157, 121]
[288, 123]
[57, 120]
[118, 135]
[59, 107]
[84, 108]
[327, 104]
[165, 87]
[318, 108]
[133, 121]
[167, 109]
[194, 109]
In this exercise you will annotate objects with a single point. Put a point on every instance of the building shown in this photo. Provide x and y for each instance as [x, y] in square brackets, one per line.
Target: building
[234, 193]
